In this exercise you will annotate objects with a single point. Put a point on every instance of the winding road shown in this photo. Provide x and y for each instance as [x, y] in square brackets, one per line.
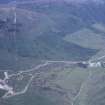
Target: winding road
[11, 92]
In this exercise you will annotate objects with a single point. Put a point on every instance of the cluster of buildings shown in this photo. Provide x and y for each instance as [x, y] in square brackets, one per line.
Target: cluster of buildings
[4, 86]
[91, 64]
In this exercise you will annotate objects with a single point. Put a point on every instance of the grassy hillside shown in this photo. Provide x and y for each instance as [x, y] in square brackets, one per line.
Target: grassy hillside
[33, 36]
[66, 85]
[87, 38]
[35, 32]
[85, 13]
[91, 37]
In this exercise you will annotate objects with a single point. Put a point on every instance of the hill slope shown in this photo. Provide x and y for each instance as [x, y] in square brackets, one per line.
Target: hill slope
[32, 36]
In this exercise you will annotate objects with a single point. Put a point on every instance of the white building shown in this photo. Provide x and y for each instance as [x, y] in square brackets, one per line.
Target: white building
[94, 64]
